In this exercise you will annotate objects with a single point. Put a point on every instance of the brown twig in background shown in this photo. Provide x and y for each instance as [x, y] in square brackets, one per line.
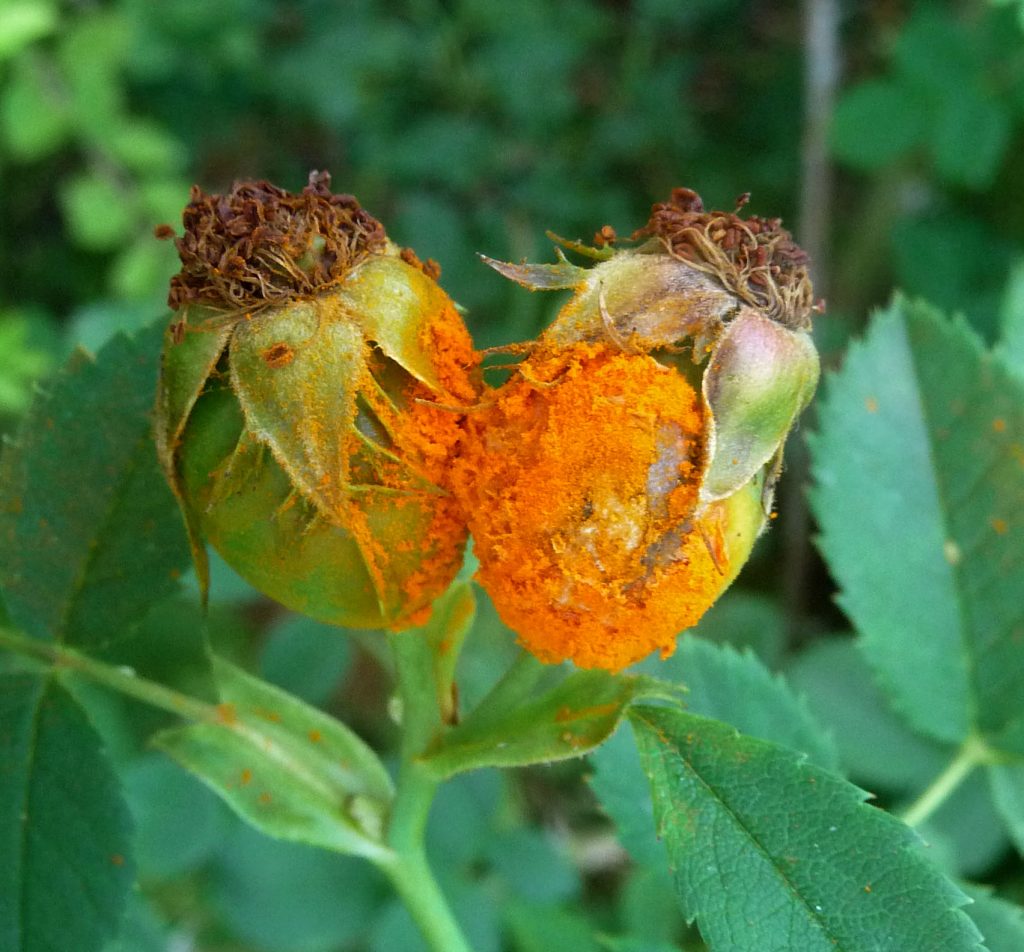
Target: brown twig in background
[821, 77]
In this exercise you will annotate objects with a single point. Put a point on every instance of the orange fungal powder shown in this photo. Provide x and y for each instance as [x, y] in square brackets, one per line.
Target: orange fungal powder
[580, 483]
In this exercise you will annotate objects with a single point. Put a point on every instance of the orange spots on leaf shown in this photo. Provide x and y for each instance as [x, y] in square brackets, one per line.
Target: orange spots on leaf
[265, 798]
[278, 355]
[246, 777]
[999, 425]
[315, 736]
[999, 525]
[871, 404]
[116, 859]
[227, 714]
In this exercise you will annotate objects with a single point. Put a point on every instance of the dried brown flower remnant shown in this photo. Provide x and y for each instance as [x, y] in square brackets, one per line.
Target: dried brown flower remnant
[754, 258]
[261, 245]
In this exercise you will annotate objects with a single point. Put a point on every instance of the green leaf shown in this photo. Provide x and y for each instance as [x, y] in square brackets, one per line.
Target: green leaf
[33, 120]
[100, 214]
[970, 137]
[143, 268]
[759, 378]
[966, 835]
[744, 620]
[142, 930]
[738, 689]
[919, 495]
[568, 720]
[772, 852]
[1007, 784]
[875, 744]
[538, 928]
[290, 770]
[23, 22]
[1000, 922]
[719, 683]
[65, 833]
[648, 909]
[21, 362]
[90, 536]
[1011, 343]
[533, 866]
[287, 897]
[875, 123]
[306, 658]
[179, 824]
[621, 787]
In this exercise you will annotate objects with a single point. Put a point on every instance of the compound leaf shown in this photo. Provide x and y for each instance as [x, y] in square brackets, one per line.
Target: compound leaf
[90, 536]
[65, 833]
[290, 770]
[919, 465]
[771, 852]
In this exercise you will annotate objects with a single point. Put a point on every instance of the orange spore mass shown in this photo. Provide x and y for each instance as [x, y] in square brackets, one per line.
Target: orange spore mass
[580, 483]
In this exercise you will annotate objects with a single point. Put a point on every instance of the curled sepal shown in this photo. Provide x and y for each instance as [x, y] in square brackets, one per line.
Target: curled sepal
[539, 277]
[399, 307]
[760, 377]
[641, 302]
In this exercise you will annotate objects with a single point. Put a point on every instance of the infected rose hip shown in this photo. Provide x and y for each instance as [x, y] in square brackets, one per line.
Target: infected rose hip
[615, 487]
[308, 402]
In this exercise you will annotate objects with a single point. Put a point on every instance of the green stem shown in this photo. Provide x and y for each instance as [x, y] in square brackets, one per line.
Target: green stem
[121, 679]
[972, 754]
[407, 865]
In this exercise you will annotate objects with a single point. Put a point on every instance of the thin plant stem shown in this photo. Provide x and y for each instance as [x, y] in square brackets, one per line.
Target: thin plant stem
[406, 865]
[972, 754]
[121, 679]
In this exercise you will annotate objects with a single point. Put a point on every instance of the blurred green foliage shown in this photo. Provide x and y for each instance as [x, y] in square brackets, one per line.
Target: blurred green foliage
[472, 126]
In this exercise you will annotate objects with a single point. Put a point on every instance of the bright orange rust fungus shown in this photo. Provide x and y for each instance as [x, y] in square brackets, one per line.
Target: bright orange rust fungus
[227, 714]
[580, 482]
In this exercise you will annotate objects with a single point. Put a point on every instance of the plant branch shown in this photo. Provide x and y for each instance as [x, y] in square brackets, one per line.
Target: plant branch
[406, 866]
[122, 679]
[972, 754]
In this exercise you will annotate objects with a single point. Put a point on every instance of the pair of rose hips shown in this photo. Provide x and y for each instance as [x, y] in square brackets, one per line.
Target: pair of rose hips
[323, 419]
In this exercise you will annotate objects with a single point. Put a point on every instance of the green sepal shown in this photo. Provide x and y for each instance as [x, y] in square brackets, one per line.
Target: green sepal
[296, 372]
[287, 768]
[539, 277]
[759, 378]
[394, 303]
[185, 368]
[515, 728]
[640, 302]
[451, 618]
[580, 247]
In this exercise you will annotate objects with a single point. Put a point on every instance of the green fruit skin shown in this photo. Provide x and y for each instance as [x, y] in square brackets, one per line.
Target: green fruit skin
[268, 535]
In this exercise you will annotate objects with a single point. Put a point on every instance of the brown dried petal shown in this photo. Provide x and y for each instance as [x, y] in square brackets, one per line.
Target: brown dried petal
[261, 245]
[755, 258]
